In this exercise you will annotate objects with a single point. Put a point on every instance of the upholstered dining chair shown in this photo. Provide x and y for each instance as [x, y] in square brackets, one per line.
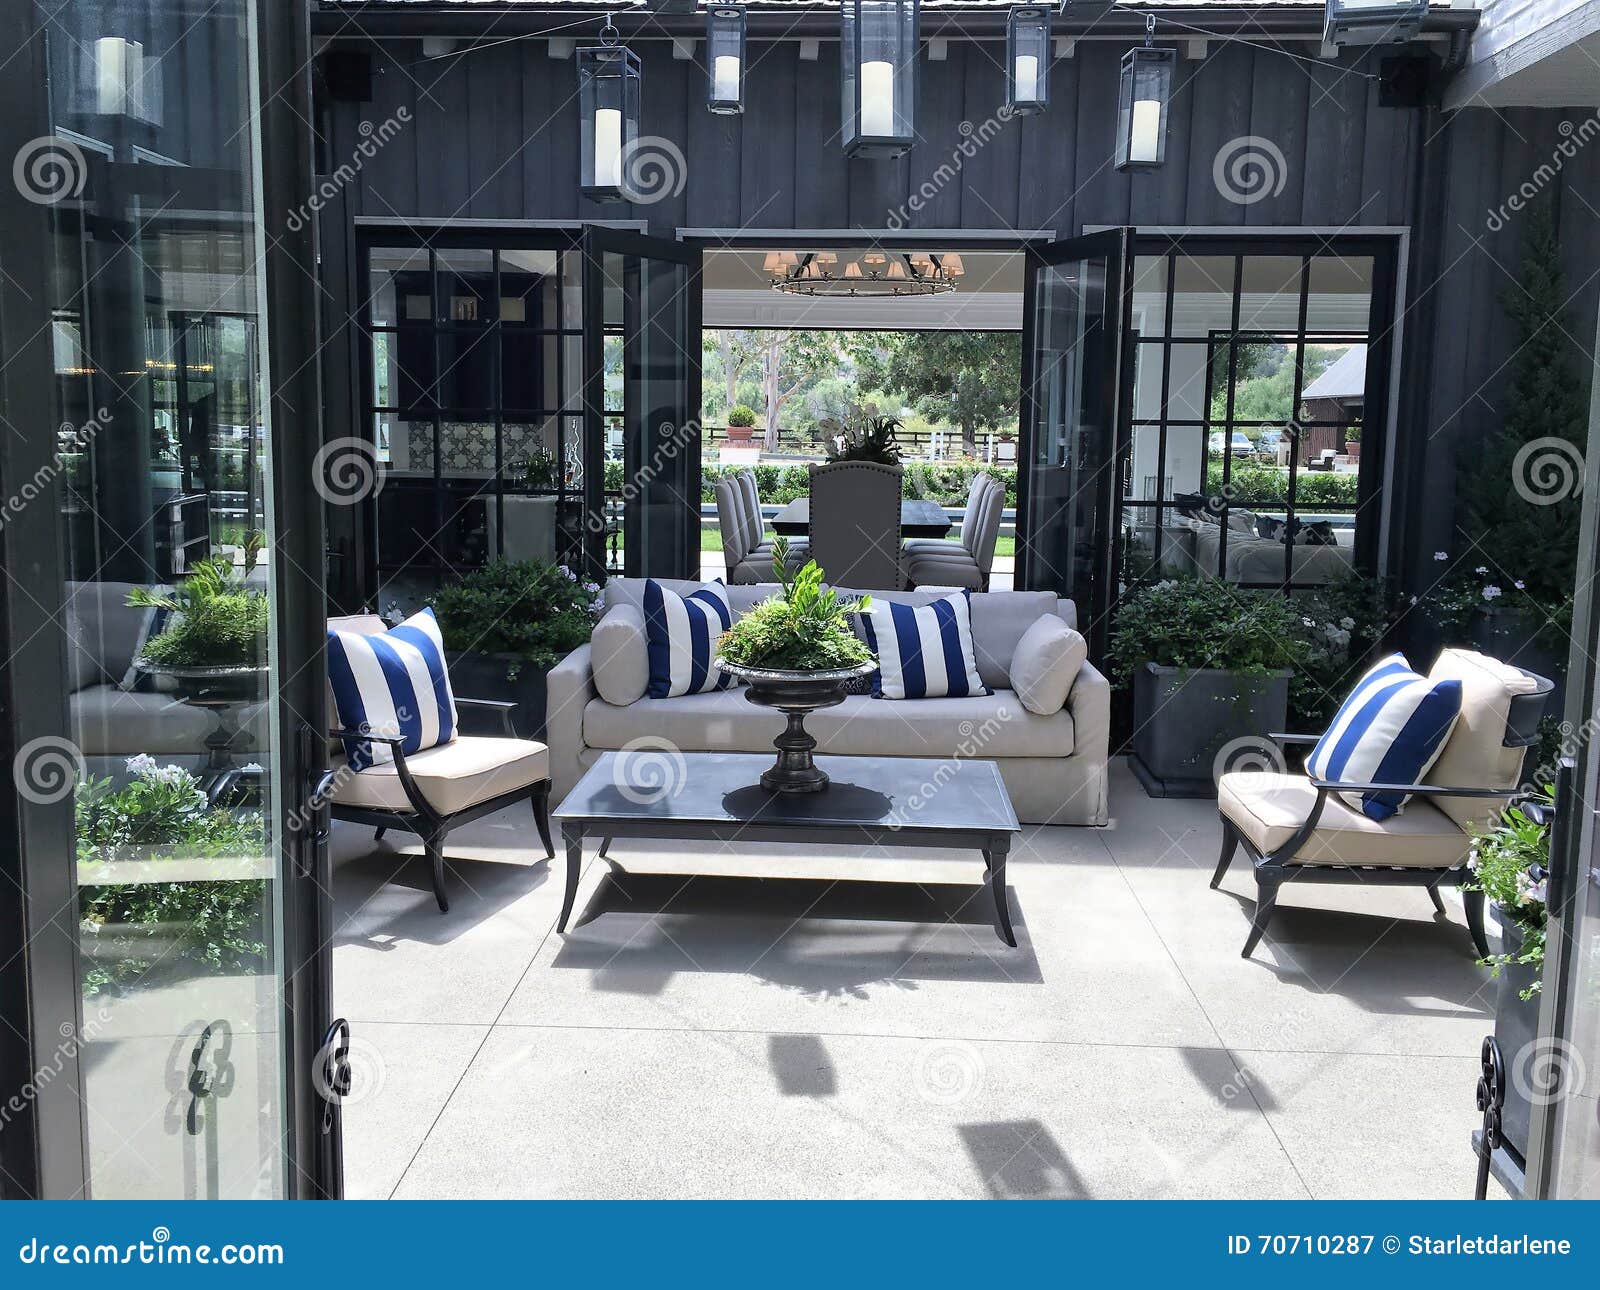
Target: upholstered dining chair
[968, 562]
[855, 524]
[431, 792]
[746, 552]
[1297, 828]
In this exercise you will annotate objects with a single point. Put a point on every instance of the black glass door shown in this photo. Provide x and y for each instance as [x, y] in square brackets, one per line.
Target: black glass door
[642, 404]
[1074, 356]
[165, 965]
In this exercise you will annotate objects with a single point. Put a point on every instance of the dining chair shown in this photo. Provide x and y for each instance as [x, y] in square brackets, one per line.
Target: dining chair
[934, 562]
[855, 524]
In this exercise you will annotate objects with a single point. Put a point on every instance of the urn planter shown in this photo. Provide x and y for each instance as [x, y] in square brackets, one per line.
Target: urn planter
[795, 693]
[1184, 718]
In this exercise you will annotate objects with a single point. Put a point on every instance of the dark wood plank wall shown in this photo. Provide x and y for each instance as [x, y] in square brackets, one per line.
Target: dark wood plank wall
[493, 134]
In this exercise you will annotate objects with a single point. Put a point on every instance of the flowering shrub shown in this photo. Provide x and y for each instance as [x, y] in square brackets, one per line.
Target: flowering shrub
[1508, 866]
[533, 611]
[164, 815]
[1459, 596]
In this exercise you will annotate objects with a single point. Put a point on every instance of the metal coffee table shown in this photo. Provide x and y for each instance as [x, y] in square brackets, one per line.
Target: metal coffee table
[717, 797]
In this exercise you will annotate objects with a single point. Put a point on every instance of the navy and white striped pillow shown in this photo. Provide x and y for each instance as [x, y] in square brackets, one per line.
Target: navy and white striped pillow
[1390, 730]
[682, 634]
[392, 683]
[923, 652]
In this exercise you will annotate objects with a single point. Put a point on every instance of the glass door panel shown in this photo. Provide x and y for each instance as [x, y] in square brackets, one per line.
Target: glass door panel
[644, 401]
[1074, 358]
[160, 787]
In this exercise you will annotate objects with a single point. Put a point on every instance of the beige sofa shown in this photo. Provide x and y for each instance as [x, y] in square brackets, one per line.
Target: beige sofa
[1054, 765]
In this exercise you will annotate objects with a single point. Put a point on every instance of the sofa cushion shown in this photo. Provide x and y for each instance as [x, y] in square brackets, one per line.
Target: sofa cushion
[993, 725]
[1046, 664]
[104, 630]
[452, 776]
[998, 620]
[630, 591]
[1268, 809]
[619, 655]
[108, 721]
[1475, 754]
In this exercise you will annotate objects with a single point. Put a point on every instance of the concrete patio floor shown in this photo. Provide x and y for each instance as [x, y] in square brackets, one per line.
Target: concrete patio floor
[825, 1040]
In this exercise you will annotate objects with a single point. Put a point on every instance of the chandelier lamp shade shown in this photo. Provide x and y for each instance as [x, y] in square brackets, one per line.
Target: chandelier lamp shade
[1373, 22]
[878, 76]
[609, 87]
[1143, 99]
[725, 59]
[1028, 59]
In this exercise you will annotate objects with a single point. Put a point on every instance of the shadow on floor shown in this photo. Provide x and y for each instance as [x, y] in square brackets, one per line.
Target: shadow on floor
[801, 1066]
[1021, 1160]
[1327, 951]
[385, 897]
[821, 937]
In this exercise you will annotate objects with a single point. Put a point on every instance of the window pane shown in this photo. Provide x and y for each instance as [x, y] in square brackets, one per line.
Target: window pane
[399, 284]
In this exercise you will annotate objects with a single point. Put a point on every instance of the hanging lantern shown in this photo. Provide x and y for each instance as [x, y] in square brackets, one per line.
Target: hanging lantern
[1028, 59]
[1142, 103]
[1373, 22]
[878, 75]
[725, 59]
[609, 83]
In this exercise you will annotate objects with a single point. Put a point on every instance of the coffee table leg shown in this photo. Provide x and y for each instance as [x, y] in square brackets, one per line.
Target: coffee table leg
[995, 860]
[574, 841]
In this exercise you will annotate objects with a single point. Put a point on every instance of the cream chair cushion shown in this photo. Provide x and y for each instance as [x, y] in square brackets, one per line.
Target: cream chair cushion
[1475, 755]
[452, 776]
[1267, 809]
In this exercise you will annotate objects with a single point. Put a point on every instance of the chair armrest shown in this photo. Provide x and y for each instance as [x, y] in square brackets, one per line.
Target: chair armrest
[505, 707]
[396, 745]
[1427, 790]
[397, 742]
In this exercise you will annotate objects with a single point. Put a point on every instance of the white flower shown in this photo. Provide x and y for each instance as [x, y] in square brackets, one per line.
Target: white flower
[1441, 555]
[1347, 623]
[1491, 592]
[1482, 568]
[142, 764]
[252, 768]
[1519, 585]
[567, 573]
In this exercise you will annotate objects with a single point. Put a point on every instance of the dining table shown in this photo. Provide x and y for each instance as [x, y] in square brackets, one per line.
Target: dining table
[919, 518]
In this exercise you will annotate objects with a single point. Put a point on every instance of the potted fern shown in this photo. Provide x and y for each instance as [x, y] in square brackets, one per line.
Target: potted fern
[213, 645]
[796, 653]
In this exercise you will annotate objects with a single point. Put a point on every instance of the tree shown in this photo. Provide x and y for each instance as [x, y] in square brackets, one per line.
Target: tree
[789, 361]
[970, 379]
[1521, 503]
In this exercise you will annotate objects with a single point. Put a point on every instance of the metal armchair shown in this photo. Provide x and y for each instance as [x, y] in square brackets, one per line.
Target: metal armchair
[1296, 827]
[431, 792]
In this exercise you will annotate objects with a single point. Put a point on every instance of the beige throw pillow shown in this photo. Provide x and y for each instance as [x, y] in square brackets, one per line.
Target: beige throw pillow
[619, 656]
[1046, 664]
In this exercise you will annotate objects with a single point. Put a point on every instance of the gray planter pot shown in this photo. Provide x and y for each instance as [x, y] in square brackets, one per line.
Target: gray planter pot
[1183, 718]
[1516, 1027]
[1512, 636]
[483, 676]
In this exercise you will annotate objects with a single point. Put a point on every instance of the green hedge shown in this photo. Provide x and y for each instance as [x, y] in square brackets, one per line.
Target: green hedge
[1266, 485]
